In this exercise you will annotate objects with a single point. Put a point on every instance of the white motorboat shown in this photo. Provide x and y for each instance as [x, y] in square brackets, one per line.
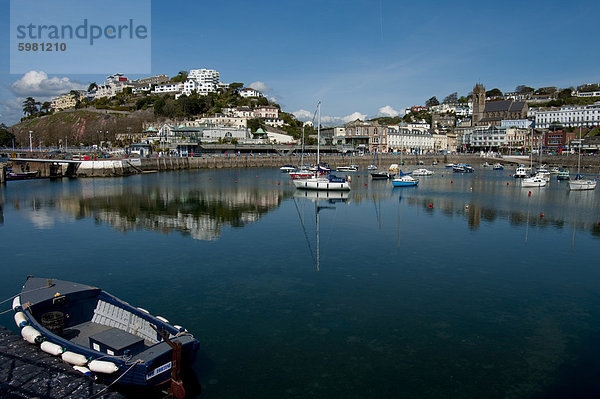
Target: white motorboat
[287, 169]
[422, 172]
[498, 166]
[534, 181]
[521, 173]
[351, 168]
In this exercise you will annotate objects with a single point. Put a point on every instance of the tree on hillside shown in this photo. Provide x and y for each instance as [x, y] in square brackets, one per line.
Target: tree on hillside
[451, 98]
[493, 93]
[565, 93]
[180, 78]
[235, 86]
[432, 102]
[6, 137]
[522, 89]
[93, 86]
[463, 100]
[30, 106]
[46, 107]
[545, 90]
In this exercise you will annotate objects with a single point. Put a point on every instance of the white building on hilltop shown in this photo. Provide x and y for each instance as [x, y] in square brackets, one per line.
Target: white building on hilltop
[250, 92]
[202, 81]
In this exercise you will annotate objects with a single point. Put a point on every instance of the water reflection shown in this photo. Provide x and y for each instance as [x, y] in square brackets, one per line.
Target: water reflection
[161, 204]
[322, 201]
[487, 199]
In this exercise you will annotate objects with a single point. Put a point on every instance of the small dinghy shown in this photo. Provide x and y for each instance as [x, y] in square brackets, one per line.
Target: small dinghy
[99, 334]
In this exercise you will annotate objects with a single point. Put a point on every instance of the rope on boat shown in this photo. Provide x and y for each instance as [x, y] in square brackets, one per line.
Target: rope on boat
[115, 381]
[6, 311]
[22, 292]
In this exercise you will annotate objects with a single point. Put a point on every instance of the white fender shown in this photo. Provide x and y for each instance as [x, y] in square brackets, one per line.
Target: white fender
[101, 366]
[144, 310]
[162, 319]
[16, 302]
[29, 334]
[180, 329]
[53, 349]
[74, 358]
[20, 319]
[83, 370]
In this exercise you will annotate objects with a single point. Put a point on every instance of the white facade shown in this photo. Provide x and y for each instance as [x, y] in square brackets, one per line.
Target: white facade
[239, 112]
[570, 116]
[64, 101]
[224, 120]
[249, 92]
[113, 84]
[484, 137]
[587, 94]
[276, 122]
[459, 109]
[168, 88]
[410, 139]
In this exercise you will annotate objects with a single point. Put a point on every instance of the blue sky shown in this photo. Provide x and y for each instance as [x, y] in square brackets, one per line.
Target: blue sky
[360, 58]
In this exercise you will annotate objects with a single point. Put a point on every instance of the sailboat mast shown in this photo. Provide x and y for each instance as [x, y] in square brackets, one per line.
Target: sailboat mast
[302, 154]
[579, 157]
[318, 134]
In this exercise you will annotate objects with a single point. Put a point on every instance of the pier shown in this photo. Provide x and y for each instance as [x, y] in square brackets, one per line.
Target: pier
[27, 372]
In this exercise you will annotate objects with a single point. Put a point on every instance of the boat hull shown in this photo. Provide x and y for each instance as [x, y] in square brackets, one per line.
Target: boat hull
[321, 184]
[78, 332]
[396, 183]
[580, 185]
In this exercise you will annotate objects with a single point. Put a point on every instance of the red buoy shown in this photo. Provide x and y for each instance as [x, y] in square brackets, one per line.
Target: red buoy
[236, 181]
[507, 183]
[451, 181]
[542, 214]
[529, 194]
[431, 205]
[278, 183]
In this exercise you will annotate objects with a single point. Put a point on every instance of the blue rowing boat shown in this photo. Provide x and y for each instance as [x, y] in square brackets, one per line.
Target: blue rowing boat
[102, 335]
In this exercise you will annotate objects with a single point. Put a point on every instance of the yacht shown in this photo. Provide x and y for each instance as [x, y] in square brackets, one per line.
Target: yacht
[534, 181]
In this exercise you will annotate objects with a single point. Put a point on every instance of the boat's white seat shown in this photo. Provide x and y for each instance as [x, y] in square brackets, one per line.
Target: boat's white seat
[110, 315]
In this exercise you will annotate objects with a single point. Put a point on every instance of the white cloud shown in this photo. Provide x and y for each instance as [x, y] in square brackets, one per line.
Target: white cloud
[260, 86]
[37, 83]
[303, 115]
[354, 116]
[387, 111]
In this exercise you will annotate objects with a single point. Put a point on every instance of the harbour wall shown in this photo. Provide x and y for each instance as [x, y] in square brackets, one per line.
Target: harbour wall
[129, 166]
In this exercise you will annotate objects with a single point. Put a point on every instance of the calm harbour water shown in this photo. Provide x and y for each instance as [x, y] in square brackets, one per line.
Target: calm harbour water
[464, 287]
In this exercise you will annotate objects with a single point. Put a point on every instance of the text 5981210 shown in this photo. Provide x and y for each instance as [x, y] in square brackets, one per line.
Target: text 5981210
[42, 46]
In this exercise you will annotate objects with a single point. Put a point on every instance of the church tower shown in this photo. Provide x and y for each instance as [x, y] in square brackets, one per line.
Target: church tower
[478, 103]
